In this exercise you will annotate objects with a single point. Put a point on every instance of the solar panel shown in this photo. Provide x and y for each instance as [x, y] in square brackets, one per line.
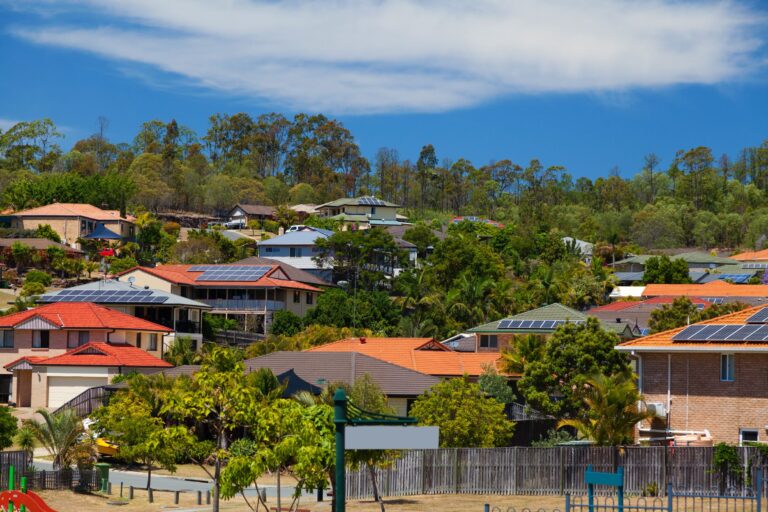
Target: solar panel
[754, 266]
[371, 201]
[504, 324]
[761, 334]
[723, 332]
[249, 273]
[688, 333]
[744, 331]
[761, 317]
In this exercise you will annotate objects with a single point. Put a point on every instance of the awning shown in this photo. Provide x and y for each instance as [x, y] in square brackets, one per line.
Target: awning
[102, 233]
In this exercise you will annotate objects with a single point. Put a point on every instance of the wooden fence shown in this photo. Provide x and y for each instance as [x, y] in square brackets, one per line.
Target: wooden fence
[560, 470]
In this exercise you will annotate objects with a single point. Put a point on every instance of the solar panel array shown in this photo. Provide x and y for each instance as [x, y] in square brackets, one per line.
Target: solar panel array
[371, 201]
[105, 296]
[533, 324]
[754, 266]
[761, 317]
[230, 272]
[736, 278]
[735, 333]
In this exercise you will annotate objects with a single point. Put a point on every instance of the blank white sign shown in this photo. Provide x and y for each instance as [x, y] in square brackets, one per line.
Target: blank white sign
[392, 438]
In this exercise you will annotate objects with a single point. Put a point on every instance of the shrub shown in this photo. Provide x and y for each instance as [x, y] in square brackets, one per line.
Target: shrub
[38, 276]
[285, 323]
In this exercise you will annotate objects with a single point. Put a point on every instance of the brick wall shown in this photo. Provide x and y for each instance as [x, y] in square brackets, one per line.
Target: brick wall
[700, 400]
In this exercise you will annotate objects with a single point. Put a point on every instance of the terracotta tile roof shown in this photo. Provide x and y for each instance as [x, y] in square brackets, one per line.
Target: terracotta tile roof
[751, 256]
[82, 315]
[712, 289]
[40, 244]
[29, 359]
[663, 340]
[74, 210]
[629, 304]
[423, 355]
[106, 354]
[180, 274]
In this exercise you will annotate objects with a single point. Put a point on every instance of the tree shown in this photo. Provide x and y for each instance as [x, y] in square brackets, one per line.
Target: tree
[63, 435]
[46, 231]
[422, 237]
[496, 385]
[663, 270]
[612, 409]
[684, 312]
[570, 357]
[128, 422]
[285, 323]
[8, 428]
[181, 352]
[466, 416]
[22, 255]
[337, 308]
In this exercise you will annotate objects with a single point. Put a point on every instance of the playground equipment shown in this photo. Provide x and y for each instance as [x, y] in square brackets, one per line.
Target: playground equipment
[21, 500]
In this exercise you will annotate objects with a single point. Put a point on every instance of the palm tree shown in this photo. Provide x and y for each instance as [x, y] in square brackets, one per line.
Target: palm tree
[525, 349]
[63, 435]
[613, 408]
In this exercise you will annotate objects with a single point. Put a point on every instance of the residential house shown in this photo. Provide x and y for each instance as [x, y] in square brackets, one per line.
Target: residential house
[499, 334]
[700, 261]
[424, 355]
[707, 379]
[244, 213]
[40, 246]
[715, 291]
[752, 257]
[75, 220]
[585, 248]
[181, 315]
[362, 212]
[637, 312]
[247, 293]
[30, 338]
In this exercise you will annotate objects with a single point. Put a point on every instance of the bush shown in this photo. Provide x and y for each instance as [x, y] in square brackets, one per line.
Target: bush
[118, 265]
[46, 231]
[285, 323]
[33, 288]
[172, 228]
[8, 427]
[271, 226]
[38, 276]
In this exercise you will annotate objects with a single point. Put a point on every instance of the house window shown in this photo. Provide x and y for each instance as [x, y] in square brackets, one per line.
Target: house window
[267, 249]
[6, 339]
[489, 341]
[138, 340]
[77, 338]
[40, 339]
[310, 298]
[296, 297]
[748, 435]
[373, 210]
[295, 252]
[153, 341]
[727, 367]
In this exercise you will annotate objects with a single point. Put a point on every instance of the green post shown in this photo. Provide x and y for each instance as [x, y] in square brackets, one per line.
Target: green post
[11, 484]
[340, 420]
[24, 490]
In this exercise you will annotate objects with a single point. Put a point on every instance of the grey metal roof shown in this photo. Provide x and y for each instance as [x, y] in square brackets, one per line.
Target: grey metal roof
[629, 276]
[320, 368]
[304, 237]
[114, 284]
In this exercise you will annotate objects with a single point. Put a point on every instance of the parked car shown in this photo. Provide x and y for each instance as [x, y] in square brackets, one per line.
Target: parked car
[295, 227]
[235, 224]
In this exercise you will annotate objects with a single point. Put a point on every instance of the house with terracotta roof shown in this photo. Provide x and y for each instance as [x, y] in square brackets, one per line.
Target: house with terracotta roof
[424, 355]
[707, 379]
[497, 335]
[28, 338]
[715, 291]
[249, 294]
[75, 220]
[752, 256]
[637, 312]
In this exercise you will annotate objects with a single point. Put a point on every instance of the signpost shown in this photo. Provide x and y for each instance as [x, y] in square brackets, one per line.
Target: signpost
[372, 431]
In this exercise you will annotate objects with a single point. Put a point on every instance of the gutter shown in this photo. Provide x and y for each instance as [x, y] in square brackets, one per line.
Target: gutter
[681, 349]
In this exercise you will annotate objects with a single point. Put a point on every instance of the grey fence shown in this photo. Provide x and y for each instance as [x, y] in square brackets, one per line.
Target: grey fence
[17, 459]
[532, 471]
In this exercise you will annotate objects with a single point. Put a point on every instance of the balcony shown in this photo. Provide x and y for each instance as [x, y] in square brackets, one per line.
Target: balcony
[187, 327]
[243, 305]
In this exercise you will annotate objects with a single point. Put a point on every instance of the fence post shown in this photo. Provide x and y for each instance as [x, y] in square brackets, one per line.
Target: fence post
[759, 488]
[121, 489]
[199, 497]
[567, 502]
[590, 492]
[176, 497]
[669, 497]
[130, 492]
[150, 495]
[562, 470]
[207, 497]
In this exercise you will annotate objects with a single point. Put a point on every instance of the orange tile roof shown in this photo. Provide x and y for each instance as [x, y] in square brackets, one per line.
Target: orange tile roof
[627, 304]
[106, 354]
[74, 210]
[180, 274]
[717, 288]
[421, 354]
[751, 256]
[29, 359]
[82, 315]
[663, 340]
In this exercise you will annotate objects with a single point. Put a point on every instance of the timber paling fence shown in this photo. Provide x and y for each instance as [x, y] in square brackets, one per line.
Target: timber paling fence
[559, 470]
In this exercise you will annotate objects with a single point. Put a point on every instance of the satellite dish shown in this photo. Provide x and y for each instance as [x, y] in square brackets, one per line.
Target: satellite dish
[131, 280]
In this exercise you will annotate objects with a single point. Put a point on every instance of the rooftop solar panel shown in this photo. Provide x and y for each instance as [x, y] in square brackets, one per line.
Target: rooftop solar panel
[744, 331]
[688, 333]
[723, 332]
[760, 317]
[754, 266]
[761, 334]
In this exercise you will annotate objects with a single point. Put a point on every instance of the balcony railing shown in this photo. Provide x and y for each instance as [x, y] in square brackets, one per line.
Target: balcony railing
[243, 304]
[187, 326]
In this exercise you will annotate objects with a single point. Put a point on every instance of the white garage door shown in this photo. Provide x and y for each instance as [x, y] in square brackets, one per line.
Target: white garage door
[63, 389]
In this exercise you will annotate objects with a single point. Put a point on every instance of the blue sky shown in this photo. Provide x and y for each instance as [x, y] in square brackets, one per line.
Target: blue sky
[588, 84]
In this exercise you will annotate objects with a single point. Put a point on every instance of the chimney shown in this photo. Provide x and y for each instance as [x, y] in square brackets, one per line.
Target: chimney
[362, 340]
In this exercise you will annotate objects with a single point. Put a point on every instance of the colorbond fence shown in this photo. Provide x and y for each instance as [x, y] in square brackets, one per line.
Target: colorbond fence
[522, 470]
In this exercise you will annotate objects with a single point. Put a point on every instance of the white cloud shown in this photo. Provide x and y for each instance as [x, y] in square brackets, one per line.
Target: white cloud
[368, 56]
[6, 123]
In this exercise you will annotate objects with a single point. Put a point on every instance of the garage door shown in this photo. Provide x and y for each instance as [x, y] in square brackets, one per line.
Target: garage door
[63, 389]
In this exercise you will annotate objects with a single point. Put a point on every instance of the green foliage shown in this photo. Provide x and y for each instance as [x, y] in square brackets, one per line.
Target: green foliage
[466, 416]
[46, 231]
[285, 323]
[610, 410]
[31, 289]
[63, 435]
[662, 270]
[8, 428]
[180, 352]
[725, 460]
[571, 356]
[215, 323]
[683, 312]
[118, 265]
[553, 438]
[337, 308]
[38, 276]
[422, 237]
[310, 336]
[496, 385]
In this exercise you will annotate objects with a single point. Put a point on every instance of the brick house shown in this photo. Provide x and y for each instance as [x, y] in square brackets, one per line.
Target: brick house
[708, 378]
[29, 338]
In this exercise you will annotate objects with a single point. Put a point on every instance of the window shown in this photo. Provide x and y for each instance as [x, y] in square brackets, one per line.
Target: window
[40, 339]
[267, 249]
[373, 210]
[6, 339]
[727, 368]
[138, 340]
[748, 435]
[489, 341]
[77, 338]
[295, 252]
[296, 297]
[153, 341]
[310, 298]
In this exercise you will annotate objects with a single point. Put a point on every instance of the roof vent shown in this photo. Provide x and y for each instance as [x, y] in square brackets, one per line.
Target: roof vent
[362, 340]
[146, 287]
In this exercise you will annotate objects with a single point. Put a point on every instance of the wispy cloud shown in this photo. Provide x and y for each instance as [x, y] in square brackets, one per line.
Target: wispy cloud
[6, 123]
[369, 56]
